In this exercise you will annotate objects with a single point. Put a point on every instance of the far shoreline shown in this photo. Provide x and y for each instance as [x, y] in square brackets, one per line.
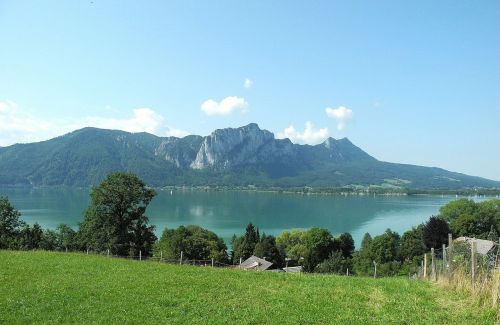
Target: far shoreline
[353, 190]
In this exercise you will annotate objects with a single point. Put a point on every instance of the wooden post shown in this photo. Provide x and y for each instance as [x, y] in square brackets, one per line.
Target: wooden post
[212, 262]
[375, 273]
[450, 256]
[140, 255]
[498, 250]
[66, 249]
[433, 265]
[161, 256]
[108, 252]
[425, 266]
[473, 261]
[240, 262]
[444, 258]
[347, 273]
[180, 262]
[87, 251]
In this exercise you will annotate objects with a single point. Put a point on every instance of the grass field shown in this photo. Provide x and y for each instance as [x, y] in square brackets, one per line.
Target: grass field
[48, 287]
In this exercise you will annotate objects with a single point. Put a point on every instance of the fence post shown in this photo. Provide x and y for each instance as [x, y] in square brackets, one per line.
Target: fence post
[347, 273]
[66, 249]
[180, 262]
[87, 251]
[425, 266]
[433, 265]
[108, 252]
[498, 250]
[473, 261]
[140, 255]
[444, 259]
[161, 256]
[375, 273]
[450, 255]
[212, 262]
[240, 262]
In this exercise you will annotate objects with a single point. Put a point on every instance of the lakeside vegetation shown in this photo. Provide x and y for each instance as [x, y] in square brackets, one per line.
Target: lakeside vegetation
[115, 224]
[51, 287]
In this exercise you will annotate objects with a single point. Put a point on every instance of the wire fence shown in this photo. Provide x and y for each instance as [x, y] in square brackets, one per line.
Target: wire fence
[166, 260]
[476, 258]
[467, 264]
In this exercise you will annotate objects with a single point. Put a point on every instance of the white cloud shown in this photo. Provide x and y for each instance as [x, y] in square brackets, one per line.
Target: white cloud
[341, 114]
[143, 120]
[18, 126]
[310, 135]
[247, 83]
[226, 106]
[171, 132]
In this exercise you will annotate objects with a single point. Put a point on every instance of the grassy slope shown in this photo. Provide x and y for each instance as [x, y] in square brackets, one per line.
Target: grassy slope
[47, 287]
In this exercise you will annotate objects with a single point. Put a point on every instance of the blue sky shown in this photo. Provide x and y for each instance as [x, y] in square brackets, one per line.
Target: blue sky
[408, 81]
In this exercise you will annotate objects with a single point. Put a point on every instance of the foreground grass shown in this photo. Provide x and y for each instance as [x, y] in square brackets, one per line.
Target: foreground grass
[48, 287]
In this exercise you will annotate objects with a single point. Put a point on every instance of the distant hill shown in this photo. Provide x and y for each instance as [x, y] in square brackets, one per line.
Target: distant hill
[227, 157]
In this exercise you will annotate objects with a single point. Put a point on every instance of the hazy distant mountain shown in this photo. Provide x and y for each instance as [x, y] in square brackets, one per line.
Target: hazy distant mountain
[240, 156]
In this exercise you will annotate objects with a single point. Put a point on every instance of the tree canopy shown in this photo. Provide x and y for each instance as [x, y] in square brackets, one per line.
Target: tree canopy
[115, 218]
[196, 243]
[10, 224]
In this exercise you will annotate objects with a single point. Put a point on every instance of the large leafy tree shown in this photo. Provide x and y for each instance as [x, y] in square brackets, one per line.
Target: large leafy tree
[346, 244]
[412, 243]
[471, 219]
[115, 218]
[319, 244]
[383, 250]
[435, 232]
[10, 225]
[196, 243]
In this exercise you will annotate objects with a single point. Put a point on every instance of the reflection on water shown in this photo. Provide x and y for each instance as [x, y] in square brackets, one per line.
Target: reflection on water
[227, 213]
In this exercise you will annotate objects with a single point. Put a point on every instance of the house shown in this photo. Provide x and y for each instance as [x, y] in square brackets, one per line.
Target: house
[483, 247]
[255, 263]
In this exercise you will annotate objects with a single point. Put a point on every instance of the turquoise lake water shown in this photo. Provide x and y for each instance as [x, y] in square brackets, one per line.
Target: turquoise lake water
[227, 213]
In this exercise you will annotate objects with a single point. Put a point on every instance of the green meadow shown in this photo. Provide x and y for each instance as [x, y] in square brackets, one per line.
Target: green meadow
[50, 287]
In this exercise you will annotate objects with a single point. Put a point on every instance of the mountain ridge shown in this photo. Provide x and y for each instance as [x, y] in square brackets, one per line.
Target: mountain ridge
[240, 156]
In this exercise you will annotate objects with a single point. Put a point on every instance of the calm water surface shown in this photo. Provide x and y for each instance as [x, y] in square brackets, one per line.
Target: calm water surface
[227, 213]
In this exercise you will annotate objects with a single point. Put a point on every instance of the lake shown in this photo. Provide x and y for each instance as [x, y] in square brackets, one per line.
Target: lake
[227, 213]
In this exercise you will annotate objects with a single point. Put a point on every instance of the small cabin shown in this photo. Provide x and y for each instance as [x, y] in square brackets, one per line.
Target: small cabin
[255, 263]
[483, 247]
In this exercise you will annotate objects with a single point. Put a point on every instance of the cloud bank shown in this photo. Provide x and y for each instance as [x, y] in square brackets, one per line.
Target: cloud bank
[341, 114]
[226, 106]
[310, 134]
[18, 126]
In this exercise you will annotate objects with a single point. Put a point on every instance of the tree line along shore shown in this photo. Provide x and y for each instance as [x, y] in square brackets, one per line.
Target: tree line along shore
[115, 222]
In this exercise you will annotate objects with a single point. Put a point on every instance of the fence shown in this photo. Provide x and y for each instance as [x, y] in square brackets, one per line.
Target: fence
[160, 259]
[466, 264]
[460, 256]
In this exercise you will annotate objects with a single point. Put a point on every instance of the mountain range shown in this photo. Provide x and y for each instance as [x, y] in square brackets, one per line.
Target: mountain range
[227, 157]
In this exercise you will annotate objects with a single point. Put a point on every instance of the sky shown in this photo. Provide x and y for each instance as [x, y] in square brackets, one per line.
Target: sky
[407, 81]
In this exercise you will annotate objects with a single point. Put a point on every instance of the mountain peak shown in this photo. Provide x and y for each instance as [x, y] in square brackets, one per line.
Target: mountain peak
[230, 156]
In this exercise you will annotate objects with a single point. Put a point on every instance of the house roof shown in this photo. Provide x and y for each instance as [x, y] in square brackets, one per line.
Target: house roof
[256, 263]
[482, 246]
[293, 269]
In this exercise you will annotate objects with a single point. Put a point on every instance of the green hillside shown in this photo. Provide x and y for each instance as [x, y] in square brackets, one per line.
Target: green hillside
[42, 287]
[228, 157]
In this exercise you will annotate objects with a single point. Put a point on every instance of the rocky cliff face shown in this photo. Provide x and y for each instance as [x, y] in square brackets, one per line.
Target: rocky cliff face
[226, 148]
